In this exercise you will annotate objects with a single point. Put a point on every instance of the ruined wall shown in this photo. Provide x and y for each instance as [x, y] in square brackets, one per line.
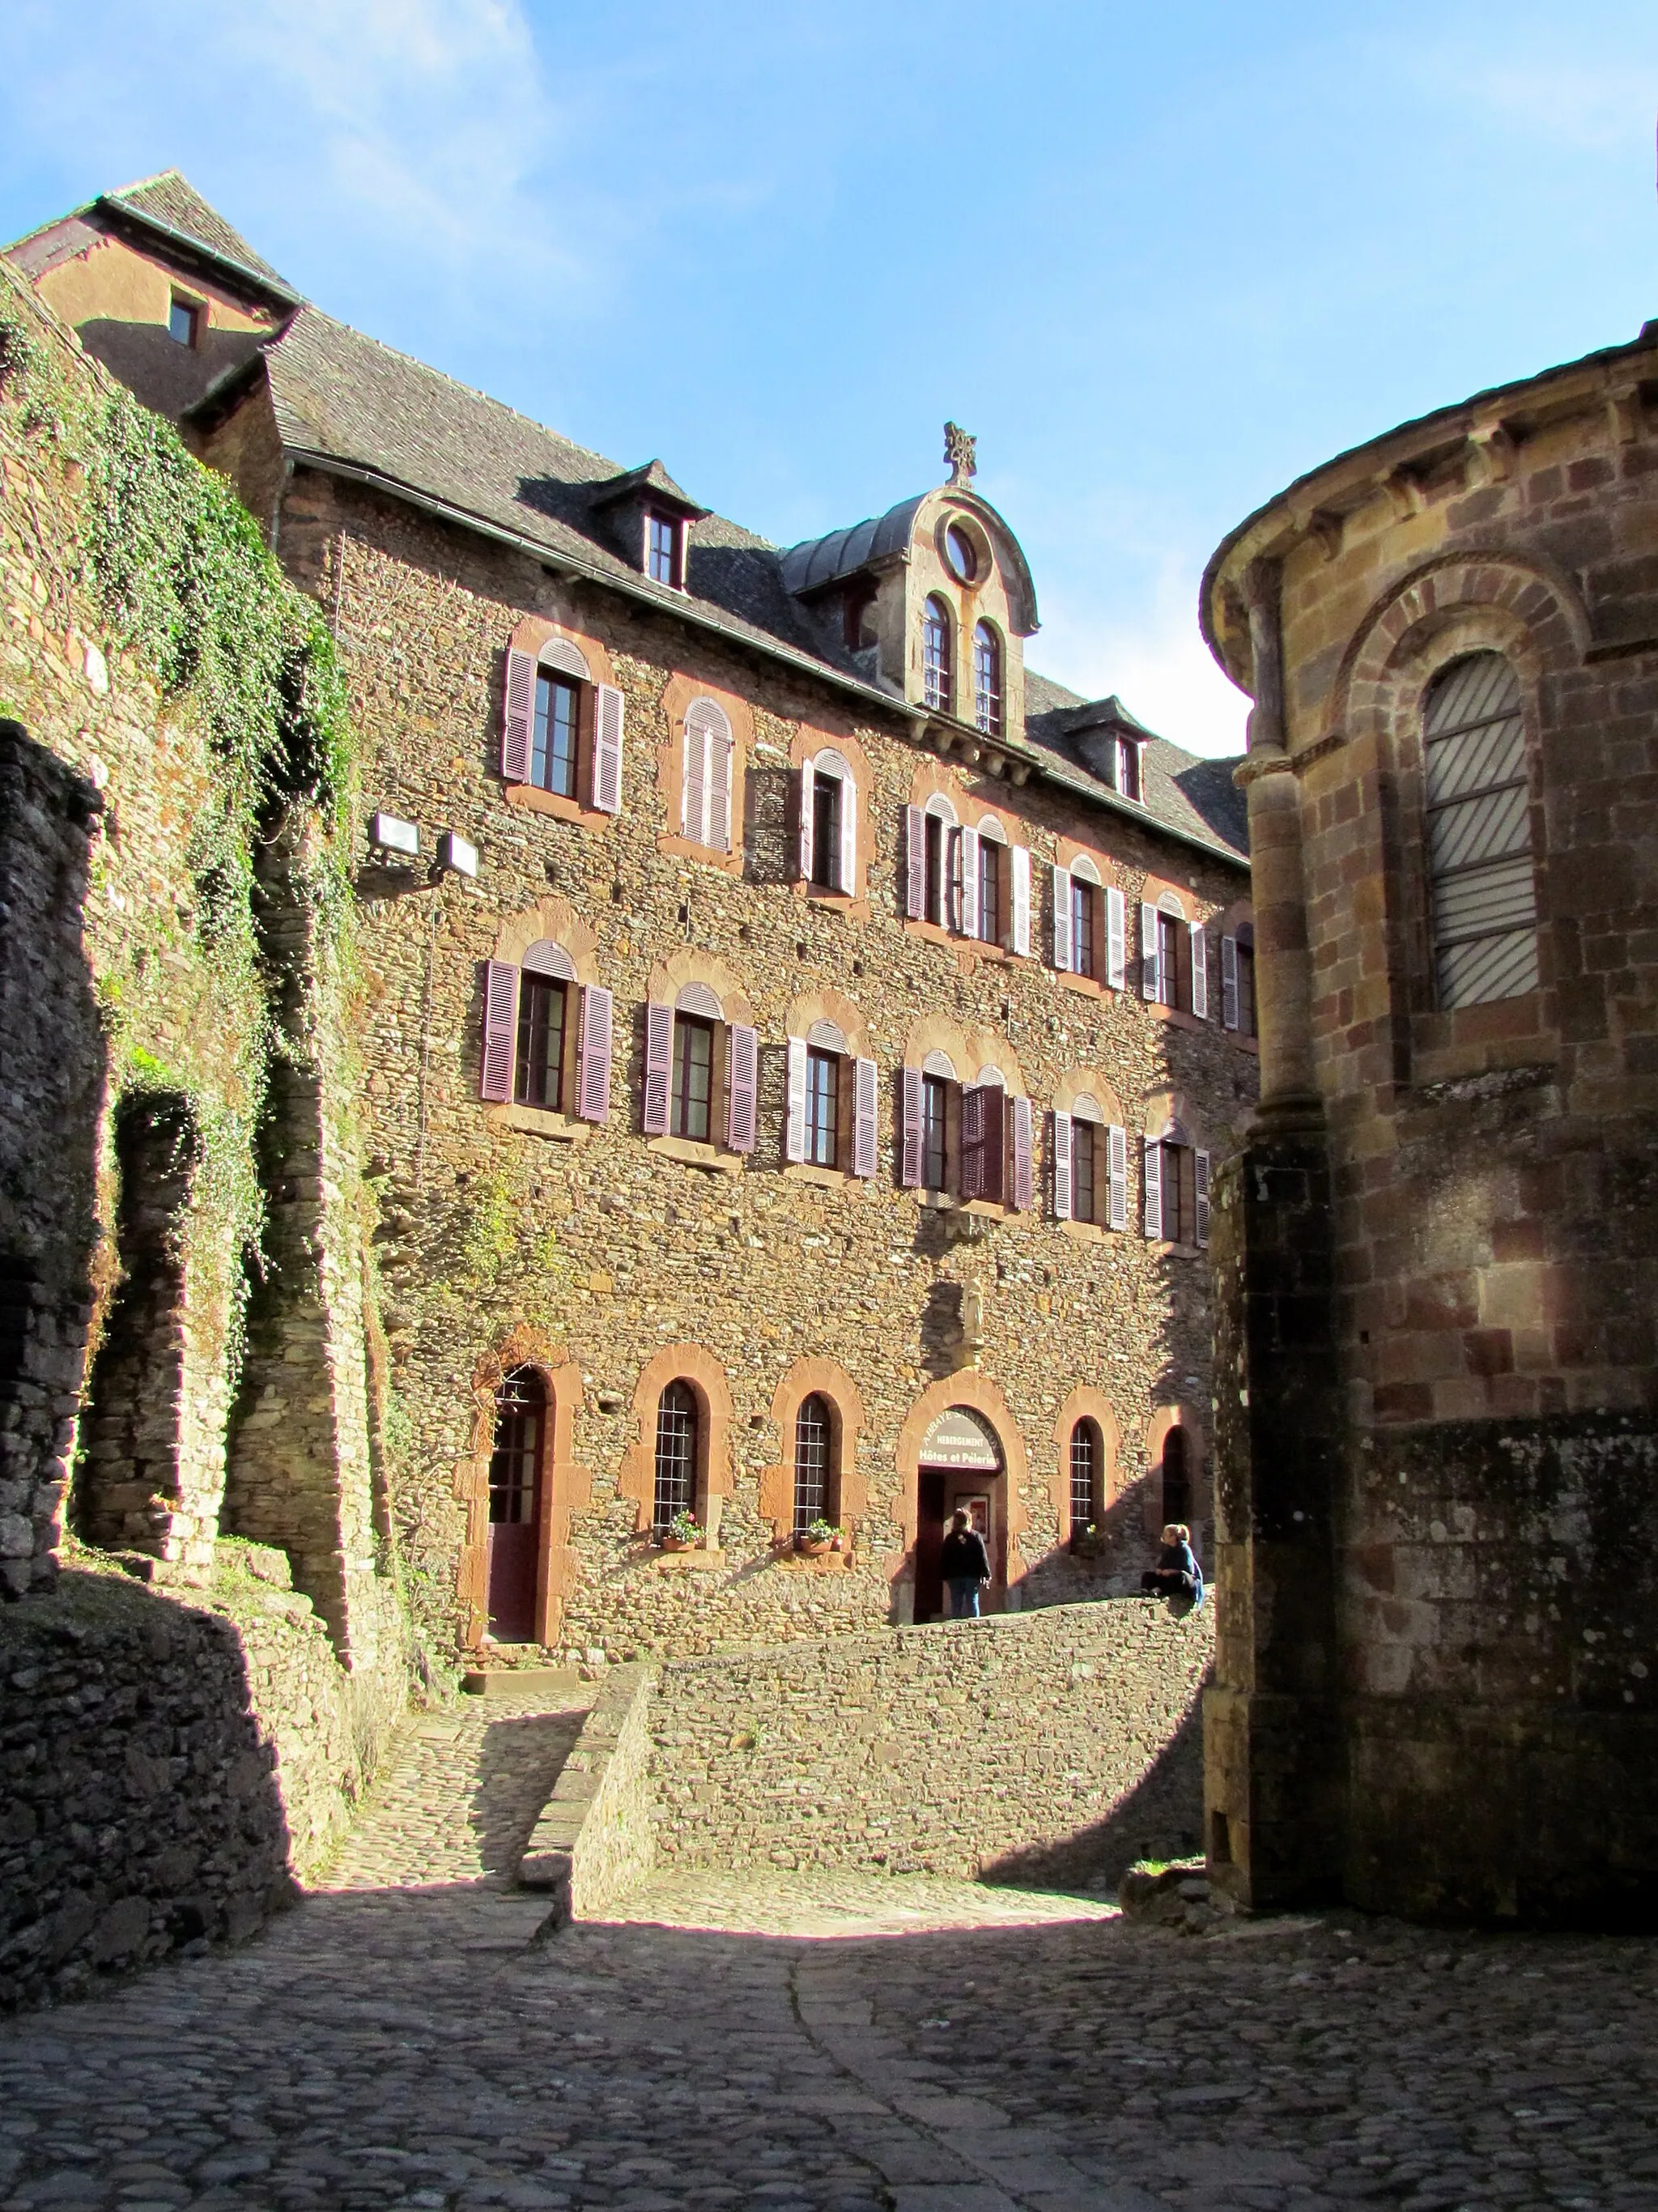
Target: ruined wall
[1058, 1745]
[1492, 1225]
[588, 1251]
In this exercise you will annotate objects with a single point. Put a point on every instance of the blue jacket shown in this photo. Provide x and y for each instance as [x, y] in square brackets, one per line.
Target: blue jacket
[1181, 1560]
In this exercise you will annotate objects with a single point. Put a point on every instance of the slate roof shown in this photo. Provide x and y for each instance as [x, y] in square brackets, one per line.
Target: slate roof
[1182, 790]
[819, 561]
[168, 200]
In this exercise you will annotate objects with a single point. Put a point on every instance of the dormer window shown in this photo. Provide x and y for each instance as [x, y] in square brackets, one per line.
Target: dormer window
[963, 561]
[184, 322]
[987, 680]
[1128, 767]
[935, 655]
[664, 549]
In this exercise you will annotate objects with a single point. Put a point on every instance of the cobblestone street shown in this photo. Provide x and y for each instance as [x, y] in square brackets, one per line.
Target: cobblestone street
[404, 2039]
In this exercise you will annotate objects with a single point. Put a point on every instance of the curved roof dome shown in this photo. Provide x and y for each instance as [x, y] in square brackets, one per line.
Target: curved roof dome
[819, 561]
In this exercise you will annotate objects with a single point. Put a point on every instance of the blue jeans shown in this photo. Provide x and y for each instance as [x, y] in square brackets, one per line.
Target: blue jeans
[963, 1597]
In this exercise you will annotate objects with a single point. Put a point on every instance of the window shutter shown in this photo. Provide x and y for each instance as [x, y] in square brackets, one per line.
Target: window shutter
[1229, 982]
[1062, 920]
[1117, 1154]
[500, 1030]
[973, 1142]
[593, 1067]
[1061, 1167]
[794, 1129]
[866, 1099]
[1019, 862]
[1153, 1184]
[518, 717]
[909, 1164]
[742, 1086]
[915, 863]
[1116, 932]
[608, 705]
[807, 797]
[1200, 975]
[719, 791]
[996, 1141]
[968, 851]
[659, 1066]
[694, 795]
[1149, 956]
[1202, 1195]
[1022, 1155]
[848, 881]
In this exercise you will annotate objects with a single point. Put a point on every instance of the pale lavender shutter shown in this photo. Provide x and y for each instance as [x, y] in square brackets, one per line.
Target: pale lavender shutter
[1149, 953]
[1022, 1164]
[909, 1165]
[794, 1134]
[658, 1068]
[973, 1142]
[1062, 920]
[1061, 1167]
[607, 710]
[1229, 982]
[593, 1055]
[995, 1144]
[1153, 1187]
[743, 1060]
[866, 1093]
[1019, 857]
[848, 835]
[1116, 933]
[694, 786]
[1200, 975]
[719, 791]
[808, 811]
[1202, 1192]
[966, 847]
[517, 716]
[500, 1032]
[1118, 1156]
[915, 867]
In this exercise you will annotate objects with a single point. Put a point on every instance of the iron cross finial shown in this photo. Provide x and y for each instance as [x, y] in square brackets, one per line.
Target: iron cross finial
[961, 452]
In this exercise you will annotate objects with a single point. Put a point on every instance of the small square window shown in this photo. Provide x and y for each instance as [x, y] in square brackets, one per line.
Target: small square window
[183, 323]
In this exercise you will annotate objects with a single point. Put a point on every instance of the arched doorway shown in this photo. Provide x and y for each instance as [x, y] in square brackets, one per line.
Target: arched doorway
[961, 1465]
[1176, 1477]
[515, 1487]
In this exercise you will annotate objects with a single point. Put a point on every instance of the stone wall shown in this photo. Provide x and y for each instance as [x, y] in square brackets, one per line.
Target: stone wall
[1052, 1746]
[596, 1837]
[174, 1765]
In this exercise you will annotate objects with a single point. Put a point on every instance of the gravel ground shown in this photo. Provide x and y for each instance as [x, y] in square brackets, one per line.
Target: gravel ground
[404, 2038]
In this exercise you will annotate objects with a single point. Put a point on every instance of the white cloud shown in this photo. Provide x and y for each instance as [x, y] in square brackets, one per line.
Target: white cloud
[1154, 659]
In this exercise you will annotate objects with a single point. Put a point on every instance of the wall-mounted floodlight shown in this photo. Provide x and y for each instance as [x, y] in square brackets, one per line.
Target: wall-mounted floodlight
[457, 854]
[392, 835]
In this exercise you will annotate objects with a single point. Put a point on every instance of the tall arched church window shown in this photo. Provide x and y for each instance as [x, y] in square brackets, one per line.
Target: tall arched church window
[814, 1443]
[987, 680]
[1480, 875]
[677, 1420]
[935, 655]
[1087, 1458]
[1176, 1477]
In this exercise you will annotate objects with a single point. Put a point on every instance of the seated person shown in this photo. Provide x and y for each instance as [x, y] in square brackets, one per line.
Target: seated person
[1177, 1573]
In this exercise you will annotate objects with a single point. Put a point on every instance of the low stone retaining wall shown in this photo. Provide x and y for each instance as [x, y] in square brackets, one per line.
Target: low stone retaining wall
[174, 1763]
[1057, 1746]
[595, 1837]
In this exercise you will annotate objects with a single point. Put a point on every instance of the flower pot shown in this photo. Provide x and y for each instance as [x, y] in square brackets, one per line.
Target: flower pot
[678, 1544]
[813, 1547]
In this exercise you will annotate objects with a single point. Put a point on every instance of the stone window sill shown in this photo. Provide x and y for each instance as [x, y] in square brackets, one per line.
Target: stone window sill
[1085, 1232]
[1177, 1016]
[803, 1172]
[532, 800]
[699, 1562]
[675, 848]
[541, 1123]
[1249, 1044]
[846, 902]
[821, 1563]
[712, 1158]
[1087, 987]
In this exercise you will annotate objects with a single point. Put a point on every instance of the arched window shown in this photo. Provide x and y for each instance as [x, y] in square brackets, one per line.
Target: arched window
[814, 1449]
[935, 655]
[1176, 1477]
[1480, 848]
[1087, 1460]
[987, 680]
[678, 1421]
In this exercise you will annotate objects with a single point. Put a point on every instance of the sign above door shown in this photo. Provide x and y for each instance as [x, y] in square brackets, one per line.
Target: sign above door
[959, 1438]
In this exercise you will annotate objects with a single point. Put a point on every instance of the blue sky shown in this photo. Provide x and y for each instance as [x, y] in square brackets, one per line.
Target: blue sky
[1159, 259]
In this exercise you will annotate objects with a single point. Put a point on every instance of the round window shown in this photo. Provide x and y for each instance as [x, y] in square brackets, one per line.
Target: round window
[959, 553]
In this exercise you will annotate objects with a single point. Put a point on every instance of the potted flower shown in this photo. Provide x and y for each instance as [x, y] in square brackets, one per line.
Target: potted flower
[1086, 1541]
[683, 1533]
[818, 1536]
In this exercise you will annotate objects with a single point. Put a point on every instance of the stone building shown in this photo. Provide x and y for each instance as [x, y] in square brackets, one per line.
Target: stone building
[790, 1035]
[1438, 1544]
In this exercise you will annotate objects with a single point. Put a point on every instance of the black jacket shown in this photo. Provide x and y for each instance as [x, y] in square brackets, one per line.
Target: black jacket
[964, 1557]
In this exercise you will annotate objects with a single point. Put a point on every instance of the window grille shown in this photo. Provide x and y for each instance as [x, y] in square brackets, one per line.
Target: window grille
[812, 1461]
[1085, 1473]
[515, 1463]
[1479, 849]
[987, 680]
[675, 1453]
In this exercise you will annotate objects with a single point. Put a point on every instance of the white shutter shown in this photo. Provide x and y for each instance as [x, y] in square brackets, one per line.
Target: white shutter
[719, 791]
[1019, 863]
[694, 811]
[1229, 982]
[808, 818]
[794, 1138]
[866, 1105]
[1116, 933]
[1061, 1167]
[1149, 953]
[1117, 1144]
[848, 835]
[915, 863]
[968, 848]
[1062, 920]
[1153, 1187]
[1202, 1189]
[1200, 975]
[607, 710]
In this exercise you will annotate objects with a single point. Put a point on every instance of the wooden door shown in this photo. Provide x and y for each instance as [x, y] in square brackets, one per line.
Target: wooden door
[515, 1506]
[929, 1543]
